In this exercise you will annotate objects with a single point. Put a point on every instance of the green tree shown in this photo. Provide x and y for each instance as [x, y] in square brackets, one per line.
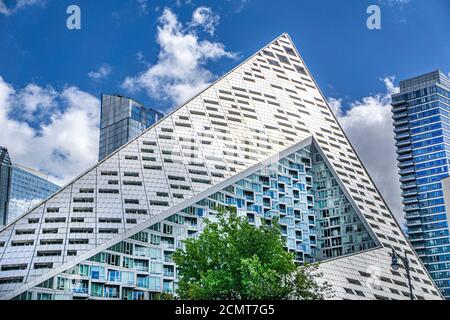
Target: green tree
[231, 259]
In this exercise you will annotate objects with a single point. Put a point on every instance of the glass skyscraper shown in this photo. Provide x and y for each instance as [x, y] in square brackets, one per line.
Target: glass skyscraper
[28, 188]
[421, 114]
[122, 119]
[5, 184]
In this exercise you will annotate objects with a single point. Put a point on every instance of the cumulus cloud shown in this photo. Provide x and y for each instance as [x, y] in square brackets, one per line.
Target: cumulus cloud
[65, 144]
[101, 73]
[204, 17]
[368, 124]
[19, 4]
[180, 70]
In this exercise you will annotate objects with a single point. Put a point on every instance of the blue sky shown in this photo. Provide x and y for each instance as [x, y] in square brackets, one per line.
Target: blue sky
[51, 77]
[345, 57]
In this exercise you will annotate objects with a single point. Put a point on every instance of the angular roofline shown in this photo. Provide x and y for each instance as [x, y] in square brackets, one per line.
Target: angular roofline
[157, 218]
[136, 138]
[364, 167]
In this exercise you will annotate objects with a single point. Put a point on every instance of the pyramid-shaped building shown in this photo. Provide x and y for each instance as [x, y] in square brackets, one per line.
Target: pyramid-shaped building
[261, 139]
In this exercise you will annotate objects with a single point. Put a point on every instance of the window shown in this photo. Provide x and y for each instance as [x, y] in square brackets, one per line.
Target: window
[132, 183]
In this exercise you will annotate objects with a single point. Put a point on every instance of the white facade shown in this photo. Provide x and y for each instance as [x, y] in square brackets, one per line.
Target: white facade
[248, 118]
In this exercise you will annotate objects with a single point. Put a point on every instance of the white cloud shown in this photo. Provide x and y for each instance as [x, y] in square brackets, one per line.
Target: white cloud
[204, 17]
[19, 4]
[180, 70]
[18, 207]
[102, 72]
[368, 124]
[143, 6]
[395, 2]
[63, 146]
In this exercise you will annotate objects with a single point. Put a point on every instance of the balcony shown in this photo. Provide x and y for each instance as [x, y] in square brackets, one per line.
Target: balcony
[402, 136]
[411, 192]
[419, 245]
[404, 150]
[412, 207]
[403, 143]
[415, 231]
[407, 171]
[407, 164]
[399, 107]
[397, 101]
[398, 130]
[169, 274]
[402, 122]
[403, 157]
[415, 240]
[407, 201]
[409, 185]
[399, 116]
[412, 215]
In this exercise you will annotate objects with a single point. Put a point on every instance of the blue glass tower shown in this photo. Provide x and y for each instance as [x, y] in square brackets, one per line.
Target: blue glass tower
[5, 184]
[122, 119]
[28, 187]
[421, 114]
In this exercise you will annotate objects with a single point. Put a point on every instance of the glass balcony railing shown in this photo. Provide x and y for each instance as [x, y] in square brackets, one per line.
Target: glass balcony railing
[411, 207]
[403, 165]
[404, 149]
[409, 185]
[411, 192]
[398, 116]
[401, 122]
[403, 143]
[410, 200]
[407, 171]
[402, 133]
[408, 178]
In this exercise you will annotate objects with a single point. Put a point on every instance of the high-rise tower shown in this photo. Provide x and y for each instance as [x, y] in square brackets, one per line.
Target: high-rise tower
[261, 139]
[122, 119]
[421, 113]
[5, 184]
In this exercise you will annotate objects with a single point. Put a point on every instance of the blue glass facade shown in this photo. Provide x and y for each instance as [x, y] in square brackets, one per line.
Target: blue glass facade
[122, 119]
[27, 189]
[421, 114]
[316, 219]
[5, 184]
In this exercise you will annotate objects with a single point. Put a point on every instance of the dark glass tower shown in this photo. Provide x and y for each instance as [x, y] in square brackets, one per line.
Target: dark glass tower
[5, 184]
[122, 119]
[421, 114]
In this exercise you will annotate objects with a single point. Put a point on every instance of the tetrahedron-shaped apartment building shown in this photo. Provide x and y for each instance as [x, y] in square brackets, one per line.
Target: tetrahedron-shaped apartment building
[262, 139]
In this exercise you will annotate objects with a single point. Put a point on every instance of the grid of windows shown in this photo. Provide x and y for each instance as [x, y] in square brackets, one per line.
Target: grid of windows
[28, 188]
[5, 184]
[421, 124]
[256, 112]
[122, 119]
[141, 267]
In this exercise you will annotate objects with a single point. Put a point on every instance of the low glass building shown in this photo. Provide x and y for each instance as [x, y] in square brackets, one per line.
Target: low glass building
[28, 188]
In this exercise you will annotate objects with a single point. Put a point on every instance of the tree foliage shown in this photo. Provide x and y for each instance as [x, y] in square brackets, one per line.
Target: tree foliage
[233, 260]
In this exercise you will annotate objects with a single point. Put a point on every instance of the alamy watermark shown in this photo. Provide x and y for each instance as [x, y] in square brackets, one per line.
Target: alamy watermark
[73, 22]
[374, 20]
